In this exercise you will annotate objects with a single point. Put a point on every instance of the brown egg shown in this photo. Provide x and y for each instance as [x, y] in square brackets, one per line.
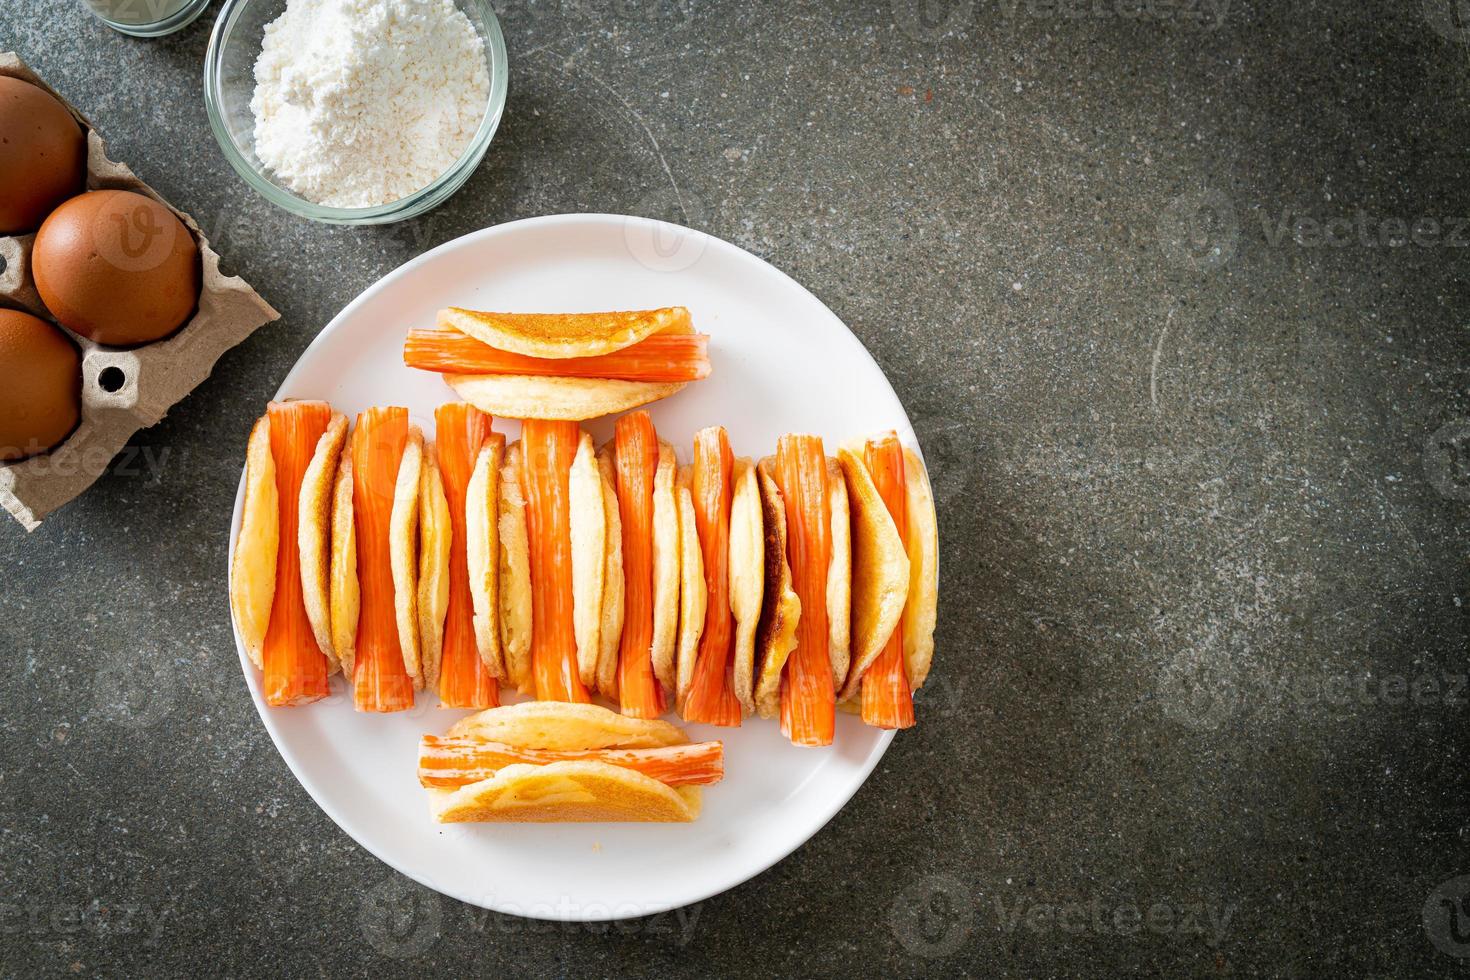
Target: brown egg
[40, 400]
[117, 267]
[43, 155]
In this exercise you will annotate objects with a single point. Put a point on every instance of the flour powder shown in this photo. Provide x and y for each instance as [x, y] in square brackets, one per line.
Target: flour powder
[362, 102]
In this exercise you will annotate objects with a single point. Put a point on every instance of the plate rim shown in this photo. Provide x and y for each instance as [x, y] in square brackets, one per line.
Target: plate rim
[825, 811]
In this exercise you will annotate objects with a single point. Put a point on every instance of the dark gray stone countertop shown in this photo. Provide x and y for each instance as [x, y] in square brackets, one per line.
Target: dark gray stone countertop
[1178, 305]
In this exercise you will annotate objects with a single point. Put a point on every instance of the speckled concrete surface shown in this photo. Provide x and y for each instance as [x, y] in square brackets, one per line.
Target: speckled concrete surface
[1179, 307]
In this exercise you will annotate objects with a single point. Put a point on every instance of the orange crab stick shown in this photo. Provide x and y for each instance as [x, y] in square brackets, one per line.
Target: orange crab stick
[711, 697]
[295, 667]
[808, 704]
[635, 457]
[547, 449]
[662, 357]
[464, 680]
[451, 760]
[380, 680]
[887, 701]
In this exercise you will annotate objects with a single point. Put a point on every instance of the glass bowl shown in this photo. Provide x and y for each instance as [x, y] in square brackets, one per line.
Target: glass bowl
[229, 83]
[147, 18]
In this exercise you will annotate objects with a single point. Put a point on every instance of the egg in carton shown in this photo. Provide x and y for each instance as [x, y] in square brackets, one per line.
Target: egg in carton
[122, 390]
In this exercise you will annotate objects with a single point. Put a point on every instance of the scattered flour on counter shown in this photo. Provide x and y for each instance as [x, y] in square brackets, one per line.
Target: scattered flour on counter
[362, 102]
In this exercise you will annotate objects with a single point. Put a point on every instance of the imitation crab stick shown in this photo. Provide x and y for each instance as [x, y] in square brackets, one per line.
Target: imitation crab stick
[887, 701]
[464, 680]
[380, 679]
[808, 699]
[295, 667]
[547, 450]
[662, 357]
[635, 458]
[451, 761]
[711, 696]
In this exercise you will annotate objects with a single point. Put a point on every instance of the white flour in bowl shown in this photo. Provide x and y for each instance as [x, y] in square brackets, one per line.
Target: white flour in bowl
[362, 102]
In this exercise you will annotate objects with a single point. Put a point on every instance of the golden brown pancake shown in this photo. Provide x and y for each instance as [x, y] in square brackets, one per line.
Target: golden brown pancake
[565, 726]
[345, 596]
[747, 575]
[781, 607]
[482, 551]
[880, 570]
[515, 575]
[566, 792]
[523, 396]
[839, 575]
[588, 518]
[614, 586]
[253, 570]
[923, 548]
[693, 592]
[565, 334]
[435, 536]
[403, 549]
[665, 570]
[314, 535]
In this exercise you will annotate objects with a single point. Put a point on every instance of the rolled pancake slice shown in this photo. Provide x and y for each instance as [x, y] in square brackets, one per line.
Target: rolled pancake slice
[665, 571]
[747, 575]
[923, 547]
[780, 607]
[565, 334]
[253, 568]
[482, 551]
[839, 576]
[435, 536]
[523, 396]
[566, 792]
[880, 570]
[588, 520]
[403, 546]
[314, 535]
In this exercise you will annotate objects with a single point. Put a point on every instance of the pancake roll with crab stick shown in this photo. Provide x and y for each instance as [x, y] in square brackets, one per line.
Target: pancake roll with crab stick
[561, 366]
[566, 542]
[546, 762]
[376, 560]
[279, 571]
[804, 619]
[895, 583]
[459, 623]
[707, 664]
[648, 512]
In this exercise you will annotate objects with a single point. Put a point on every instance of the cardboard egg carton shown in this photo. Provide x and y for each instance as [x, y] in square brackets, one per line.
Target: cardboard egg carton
[122, 390]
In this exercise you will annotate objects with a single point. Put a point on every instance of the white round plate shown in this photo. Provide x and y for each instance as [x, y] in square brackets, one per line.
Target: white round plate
[782, 362]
